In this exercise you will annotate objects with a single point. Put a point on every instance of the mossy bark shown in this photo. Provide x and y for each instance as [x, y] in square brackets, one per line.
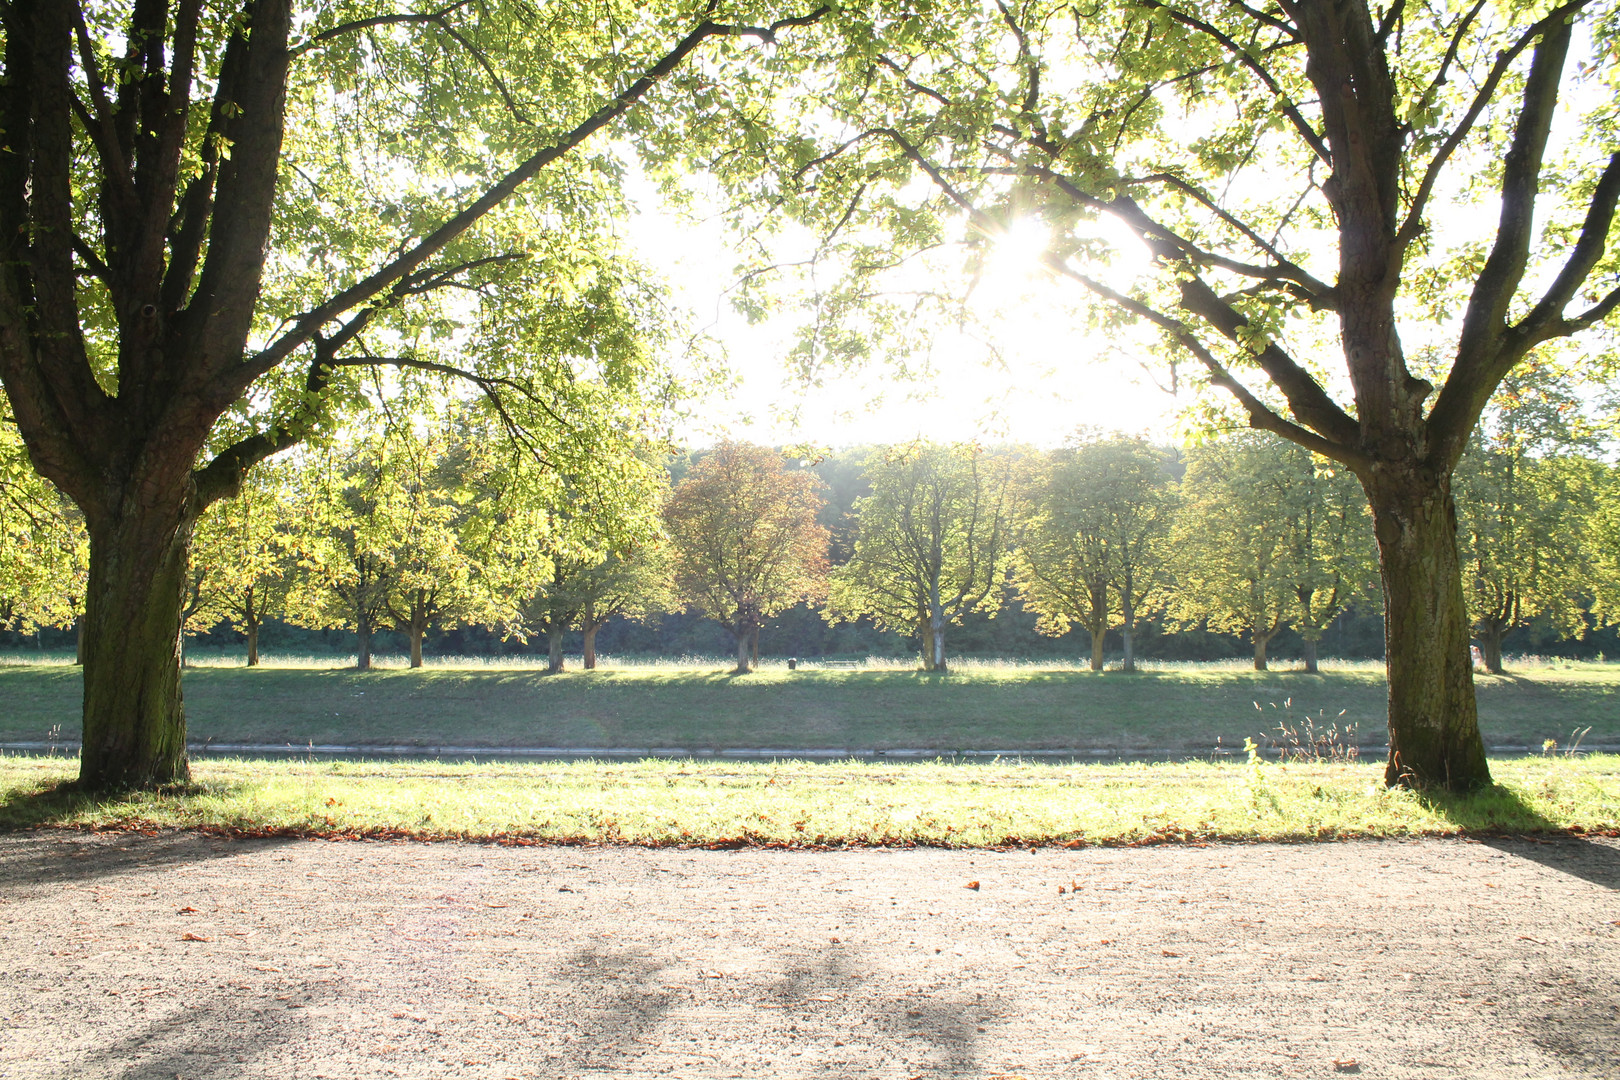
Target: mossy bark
[1434, 738]
[134, 715]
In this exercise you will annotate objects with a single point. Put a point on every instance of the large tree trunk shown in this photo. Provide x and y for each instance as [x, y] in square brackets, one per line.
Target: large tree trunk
[554, 650]
[590, 645]
[925, 633]
[417, 632]
[1310, 655]
[1434, 735]
[742, 652]
[936, 638]
[134, 717]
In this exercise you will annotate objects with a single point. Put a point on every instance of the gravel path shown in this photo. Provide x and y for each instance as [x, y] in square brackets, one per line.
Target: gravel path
[178, 955]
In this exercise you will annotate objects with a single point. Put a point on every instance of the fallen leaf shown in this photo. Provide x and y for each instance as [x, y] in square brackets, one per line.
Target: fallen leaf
[189, 936]
[187, 911]
[266, 967]
[974, 885]
[1348, 1065]
[1167, 952]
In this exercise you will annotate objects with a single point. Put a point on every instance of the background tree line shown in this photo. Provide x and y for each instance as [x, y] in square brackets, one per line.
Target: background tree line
[425, 531]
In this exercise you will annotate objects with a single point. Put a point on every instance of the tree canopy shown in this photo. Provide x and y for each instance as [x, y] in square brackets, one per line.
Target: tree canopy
[1267, 186]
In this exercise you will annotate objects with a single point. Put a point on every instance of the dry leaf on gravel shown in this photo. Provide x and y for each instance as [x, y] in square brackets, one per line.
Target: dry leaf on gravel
[974, 885]
[189, 936]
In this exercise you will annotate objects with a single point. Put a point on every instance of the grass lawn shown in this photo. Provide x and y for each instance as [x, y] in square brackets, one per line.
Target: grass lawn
[983, 707]
[810, 804]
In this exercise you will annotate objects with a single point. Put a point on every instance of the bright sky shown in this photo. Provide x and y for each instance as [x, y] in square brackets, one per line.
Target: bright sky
[1048, 379]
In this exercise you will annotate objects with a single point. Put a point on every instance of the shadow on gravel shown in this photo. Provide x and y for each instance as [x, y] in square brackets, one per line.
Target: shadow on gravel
[1573, 855]
[221, 1036]
[75, 857]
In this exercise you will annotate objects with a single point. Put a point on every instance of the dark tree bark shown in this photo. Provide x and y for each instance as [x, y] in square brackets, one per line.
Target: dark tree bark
[134, 717]
[1311, 666]
[1433, 716]
[362, 631]
[554, 649]
[251, 618]
[589, 661]
[1261, 640]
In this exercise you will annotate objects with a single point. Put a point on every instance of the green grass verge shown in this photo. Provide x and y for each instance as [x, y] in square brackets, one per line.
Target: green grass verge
[834, 804]
[1010, 708]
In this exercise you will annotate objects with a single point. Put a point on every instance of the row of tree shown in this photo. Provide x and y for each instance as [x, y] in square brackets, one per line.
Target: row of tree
[424, 526]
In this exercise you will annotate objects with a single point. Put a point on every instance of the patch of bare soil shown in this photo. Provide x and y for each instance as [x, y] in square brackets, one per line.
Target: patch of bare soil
[185, 956]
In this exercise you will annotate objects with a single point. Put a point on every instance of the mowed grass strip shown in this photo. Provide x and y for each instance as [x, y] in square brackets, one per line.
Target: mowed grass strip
[823, 804]
[1013, 708]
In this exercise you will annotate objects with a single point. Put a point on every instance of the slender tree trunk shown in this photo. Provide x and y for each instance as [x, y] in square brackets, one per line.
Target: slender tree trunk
[417, 632]
[1127, 633]
[742, 652]
[1310, 655]
[1099, 639]
[554, 661]
[1434, 735]
[1490, 646]
[134, 716]
[925, 631]
[362, 629]
[936, 636]
[1261, 640]
[250, 621]
[590, 645]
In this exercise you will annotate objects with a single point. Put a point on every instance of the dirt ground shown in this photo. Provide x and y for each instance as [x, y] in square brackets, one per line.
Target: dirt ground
[183, 956]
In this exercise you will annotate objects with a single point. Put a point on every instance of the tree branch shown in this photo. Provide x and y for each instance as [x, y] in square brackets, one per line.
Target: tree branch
[1413, 225]
[1244, 57]
[232, 380]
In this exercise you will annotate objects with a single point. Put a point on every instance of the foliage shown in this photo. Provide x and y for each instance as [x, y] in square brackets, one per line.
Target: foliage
[1526, 498]
[1250, 182]
[933, 542]
[746, 540]
[1091, 539]
[43, 547]
[244, 557]
[386, 538]
[1267, 536]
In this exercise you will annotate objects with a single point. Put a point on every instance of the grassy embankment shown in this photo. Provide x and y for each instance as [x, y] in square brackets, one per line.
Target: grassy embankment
[832, 804]
[983, 707]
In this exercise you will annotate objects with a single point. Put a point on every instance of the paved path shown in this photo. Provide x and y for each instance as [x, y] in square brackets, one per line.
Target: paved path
[176, 955]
